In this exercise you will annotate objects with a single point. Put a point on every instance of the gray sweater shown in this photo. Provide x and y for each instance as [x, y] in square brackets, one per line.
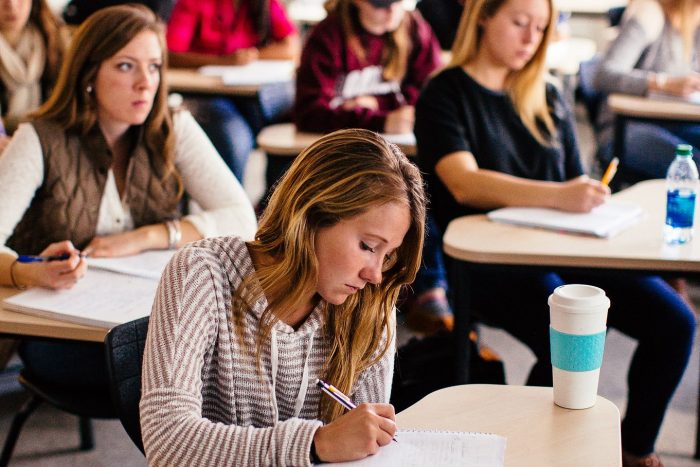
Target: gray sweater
[203, 401]
[647, 43]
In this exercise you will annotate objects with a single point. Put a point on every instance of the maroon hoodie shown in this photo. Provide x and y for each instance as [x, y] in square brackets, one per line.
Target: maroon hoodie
[330, 72]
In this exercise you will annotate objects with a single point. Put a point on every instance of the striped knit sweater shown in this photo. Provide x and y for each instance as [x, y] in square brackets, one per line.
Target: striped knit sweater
[203, 401]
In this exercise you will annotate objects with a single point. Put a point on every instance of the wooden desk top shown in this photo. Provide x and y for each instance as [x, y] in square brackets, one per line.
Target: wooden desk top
[12, 322]
[478, 240]
[189, 80]
[283, 139]
[655, 108]
[537, 431]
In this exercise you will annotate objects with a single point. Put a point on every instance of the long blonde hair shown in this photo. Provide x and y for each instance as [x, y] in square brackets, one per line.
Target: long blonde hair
[342, 175]
[680, 12]
[525, 87]
[72, 104]
[397, 44]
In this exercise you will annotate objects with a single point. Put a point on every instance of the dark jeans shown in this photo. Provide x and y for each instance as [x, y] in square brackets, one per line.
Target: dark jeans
[432, 273]
[643, 307]
[650, 148]
[233, 123]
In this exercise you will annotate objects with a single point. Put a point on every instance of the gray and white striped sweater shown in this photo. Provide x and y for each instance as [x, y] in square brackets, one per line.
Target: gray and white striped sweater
[203, 400]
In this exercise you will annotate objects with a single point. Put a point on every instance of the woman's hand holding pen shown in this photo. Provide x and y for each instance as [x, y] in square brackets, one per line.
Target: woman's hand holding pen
[356, 434]
[401, 120]
[59, 274]
[581, 194]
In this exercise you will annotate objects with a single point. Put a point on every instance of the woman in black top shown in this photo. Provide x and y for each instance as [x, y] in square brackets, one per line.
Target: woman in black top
[492, 133]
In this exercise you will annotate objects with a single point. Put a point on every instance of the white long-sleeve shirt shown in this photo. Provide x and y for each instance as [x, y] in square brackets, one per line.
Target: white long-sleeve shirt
[225, 208]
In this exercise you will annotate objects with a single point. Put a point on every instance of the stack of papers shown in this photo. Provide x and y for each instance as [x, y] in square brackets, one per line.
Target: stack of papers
[254, 73]
[604, 221]
[418, 448]
[113, 291]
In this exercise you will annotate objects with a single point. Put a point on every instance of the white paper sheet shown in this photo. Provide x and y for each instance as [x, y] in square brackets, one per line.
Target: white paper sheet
[604, 221]
[103, 299]
[254, 73]
[419, 448]
[149, 264]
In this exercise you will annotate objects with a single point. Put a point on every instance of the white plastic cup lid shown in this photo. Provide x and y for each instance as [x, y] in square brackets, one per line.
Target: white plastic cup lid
[579, 296]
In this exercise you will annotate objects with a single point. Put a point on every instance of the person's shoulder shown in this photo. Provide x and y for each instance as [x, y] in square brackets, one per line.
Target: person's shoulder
[182, 120]
[228, 255]
[648, 14]
[328, 27]
[420, 28]
[445, 80]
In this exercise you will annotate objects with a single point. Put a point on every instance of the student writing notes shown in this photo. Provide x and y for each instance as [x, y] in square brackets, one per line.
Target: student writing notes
[234, 32]
[491, 133]
[363, 66]
[240, 331]
[102, 168]
[656, 51]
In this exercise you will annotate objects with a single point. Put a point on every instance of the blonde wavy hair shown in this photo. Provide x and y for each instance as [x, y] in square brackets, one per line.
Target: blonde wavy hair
[98, 38]
[525, 87]
[342, 175]
[680, 12]
[397, 44]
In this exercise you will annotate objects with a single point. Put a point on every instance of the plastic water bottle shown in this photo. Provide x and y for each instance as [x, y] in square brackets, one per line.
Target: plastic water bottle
[682, 189]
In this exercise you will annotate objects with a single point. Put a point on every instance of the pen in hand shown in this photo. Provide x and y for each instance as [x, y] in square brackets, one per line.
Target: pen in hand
[339, 397]
[41, 259]
[610, 171]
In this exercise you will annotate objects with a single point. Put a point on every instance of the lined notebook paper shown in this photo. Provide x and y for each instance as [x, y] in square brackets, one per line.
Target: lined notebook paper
[420, 448]
[103, 299]
[604, 221]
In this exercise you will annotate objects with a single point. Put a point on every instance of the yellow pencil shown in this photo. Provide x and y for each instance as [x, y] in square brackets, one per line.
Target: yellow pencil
[610, 171]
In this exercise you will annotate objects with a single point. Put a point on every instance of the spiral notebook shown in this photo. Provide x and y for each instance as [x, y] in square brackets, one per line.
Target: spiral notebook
[420, 448]
[604, 221]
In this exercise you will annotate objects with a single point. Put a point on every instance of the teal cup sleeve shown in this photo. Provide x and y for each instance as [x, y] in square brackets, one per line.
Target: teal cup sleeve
[571, 352]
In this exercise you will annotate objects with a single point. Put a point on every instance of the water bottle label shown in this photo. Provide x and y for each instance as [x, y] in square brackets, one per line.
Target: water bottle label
[680, 208]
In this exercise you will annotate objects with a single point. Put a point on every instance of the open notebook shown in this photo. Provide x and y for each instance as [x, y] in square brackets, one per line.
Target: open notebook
[604, 221]
[114, 291]
[418, 448]
[255, 73]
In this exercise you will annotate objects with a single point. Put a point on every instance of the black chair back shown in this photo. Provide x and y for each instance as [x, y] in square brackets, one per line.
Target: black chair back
[124, 346]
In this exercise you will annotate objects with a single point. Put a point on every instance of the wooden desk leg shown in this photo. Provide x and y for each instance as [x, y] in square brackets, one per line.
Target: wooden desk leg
[459, 281]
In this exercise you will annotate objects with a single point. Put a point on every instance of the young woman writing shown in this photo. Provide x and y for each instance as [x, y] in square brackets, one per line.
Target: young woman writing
[240, 331]
[102, 168]
[492, 133]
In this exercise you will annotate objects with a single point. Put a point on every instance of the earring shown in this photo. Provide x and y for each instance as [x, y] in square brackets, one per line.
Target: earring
[89, 88]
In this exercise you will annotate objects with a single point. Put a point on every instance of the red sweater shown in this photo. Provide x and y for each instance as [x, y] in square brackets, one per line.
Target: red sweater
[330, 72]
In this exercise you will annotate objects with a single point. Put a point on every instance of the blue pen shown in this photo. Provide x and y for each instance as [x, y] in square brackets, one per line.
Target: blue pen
[41, 259]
